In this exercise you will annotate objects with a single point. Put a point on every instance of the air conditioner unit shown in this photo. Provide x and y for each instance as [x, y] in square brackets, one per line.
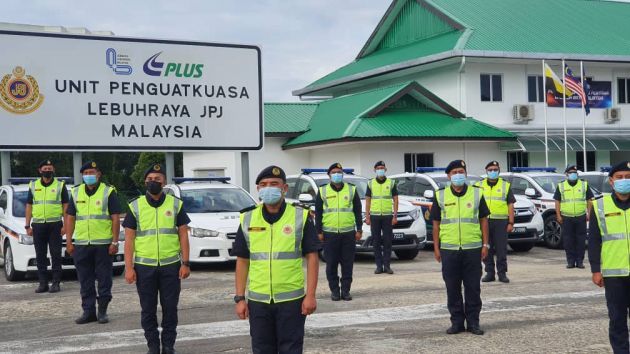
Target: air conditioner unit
[612, 115]
[523, 113]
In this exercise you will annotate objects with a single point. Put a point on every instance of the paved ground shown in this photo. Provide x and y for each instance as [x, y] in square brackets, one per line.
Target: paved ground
[546, 309]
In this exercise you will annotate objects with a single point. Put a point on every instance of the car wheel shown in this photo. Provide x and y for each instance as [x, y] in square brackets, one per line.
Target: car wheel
[406, 255]
[118, 271]
[553, 232]
[522, 247]
[9, 270]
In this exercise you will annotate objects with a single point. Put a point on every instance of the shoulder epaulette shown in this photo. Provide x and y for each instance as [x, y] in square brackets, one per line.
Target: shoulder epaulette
[248, 209]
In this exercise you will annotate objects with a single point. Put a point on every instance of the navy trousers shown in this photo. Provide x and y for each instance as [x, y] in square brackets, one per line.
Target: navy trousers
[93, 263]
[277, 327]
[574, 238]
[339, 249]
[47, 237]
[498, 247]
[618, 302]
[382, 235]
[463, 267]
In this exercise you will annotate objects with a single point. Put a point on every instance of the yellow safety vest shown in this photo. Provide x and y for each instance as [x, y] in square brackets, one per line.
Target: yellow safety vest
[459, 227]
[47, 205]
[496, 197]
[381, 202]
[573, 202]
[275, 254]
[93, 223]
[157, 238]
[614, 226]
[338, 215]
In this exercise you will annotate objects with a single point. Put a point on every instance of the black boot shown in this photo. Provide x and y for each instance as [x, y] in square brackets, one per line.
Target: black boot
[154, 349]
[168, 350]
[102, 313]
[334, 295]
[42, 288]
[345, 295]
[503, 278]
[54, 287]
[86, 317]
[488, 278]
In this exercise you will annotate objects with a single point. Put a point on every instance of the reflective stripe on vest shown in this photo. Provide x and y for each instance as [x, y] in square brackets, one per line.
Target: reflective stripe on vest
[459, 227]
[93, 224]
[157, 236]
[338, 216]
[496, 198]
[614, 226]
[47, 206]
[275, 271]
[573, 201]
[381, 201]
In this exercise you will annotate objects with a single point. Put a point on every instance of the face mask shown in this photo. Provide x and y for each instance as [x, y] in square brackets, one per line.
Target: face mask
[493, 174]
[270, 195]
[380, 173]
[573, 176]
[458, 180]
[47, 174]
[154, 187]
[89, 179]
[336, 177]
[622, 186]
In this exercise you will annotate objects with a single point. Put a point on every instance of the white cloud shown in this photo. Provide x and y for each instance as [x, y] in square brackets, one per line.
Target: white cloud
[301, 40]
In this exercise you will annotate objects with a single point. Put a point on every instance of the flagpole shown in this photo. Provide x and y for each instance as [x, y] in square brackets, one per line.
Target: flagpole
[564, 114]
[544, 77]
[583, 115]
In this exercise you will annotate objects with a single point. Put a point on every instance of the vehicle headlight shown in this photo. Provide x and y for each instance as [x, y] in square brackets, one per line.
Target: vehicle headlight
[532, 209]
[201, 233]
[25, 239]
[415, 213]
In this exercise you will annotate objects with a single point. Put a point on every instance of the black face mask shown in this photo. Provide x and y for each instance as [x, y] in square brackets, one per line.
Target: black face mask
[47, 174]
[154, 187]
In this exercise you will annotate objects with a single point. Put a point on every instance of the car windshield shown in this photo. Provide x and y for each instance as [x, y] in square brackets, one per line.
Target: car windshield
[19, 204]
[443, 181]
[598, 183]
[216, 200]
[550, 182]
[360, 182]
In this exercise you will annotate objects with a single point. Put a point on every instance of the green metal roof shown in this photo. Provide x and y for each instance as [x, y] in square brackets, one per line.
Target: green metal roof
[399, 112]
[288, 118]
[441, 29]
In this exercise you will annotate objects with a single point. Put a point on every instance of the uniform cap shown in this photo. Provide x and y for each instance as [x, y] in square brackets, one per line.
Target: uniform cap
[155, 168]
[455, 164]
[570, 168]
[89, 165]
[333, 166]
[271, 172]
[492, 164]
[622, 166]
[45, 163]
[379, 164]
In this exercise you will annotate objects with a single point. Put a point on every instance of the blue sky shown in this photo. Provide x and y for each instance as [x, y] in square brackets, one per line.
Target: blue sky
[301, 40]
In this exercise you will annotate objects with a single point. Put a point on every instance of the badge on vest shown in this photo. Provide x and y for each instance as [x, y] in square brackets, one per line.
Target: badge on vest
[256, 229]
[469, 205]
[345, 197]
[98, 202]
[168, 213]
[53, 191]
[287, 229]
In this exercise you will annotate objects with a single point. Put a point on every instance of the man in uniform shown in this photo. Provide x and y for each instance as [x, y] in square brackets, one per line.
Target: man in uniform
[608, 253]
[46, 204]
[339, 222]
[381, 207]
[460, 234]
[157, 257]
[500, 200]
[94, 220]
[573, 204]
[270, 244]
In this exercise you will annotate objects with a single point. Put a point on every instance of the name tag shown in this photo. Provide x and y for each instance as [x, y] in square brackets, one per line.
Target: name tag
[450, 204]
[256, 229]
[331, 196]
[38, 190]
[613, 214]
[80, 201]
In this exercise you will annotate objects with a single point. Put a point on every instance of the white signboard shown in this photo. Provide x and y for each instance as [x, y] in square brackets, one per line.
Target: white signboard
[69, 92]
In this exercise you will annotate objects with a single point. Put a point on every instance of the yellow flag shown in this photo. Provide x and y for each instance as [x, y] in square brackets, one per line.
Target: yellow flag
[557, 83]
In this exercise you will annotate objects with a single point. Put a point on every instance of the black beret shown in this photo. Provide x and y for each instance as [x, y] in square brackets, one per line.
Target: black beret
[492, 163]
[379, 164]
[455, 164]
[271, 172]
[155, 168]
[622, 166]
[88, 165]
[45, 163]
[333, 166]
[570, 167]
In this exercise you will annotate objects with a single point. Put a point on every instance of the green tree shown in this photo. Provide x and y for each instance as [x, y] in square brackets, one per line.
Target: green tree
[145, 160]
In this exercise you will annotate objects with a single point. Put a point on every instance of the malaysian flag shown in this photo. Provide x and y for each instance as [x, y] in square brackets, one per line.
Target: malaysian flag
[575, 85]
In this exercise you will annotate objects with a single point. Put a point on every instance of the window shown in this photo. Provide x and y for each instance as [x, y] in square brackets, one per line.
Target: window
[590, 160]
[491, 87]
[19, 203]
[518, 159]
[169, 191]
[306, 187]
[417, 160]
[291, 182]
[622, 90]
[420, 186]
[3, 201]
[404, 185]
[216, 200]
[535, 89]
[519, 185]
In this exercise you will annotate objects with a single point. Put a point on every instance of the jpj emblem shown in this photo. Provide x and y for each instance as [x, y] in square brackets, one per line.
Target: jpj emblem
[287, 229]
[168, 213]
[19, 93]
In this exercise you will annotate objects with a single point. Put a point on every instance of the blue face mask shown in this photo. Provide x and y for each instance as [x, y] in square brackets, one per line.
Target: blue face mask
[493, 174]
[270, 195]
[89, 179]
[380, 173]
[573, 176]
[336, 178]
[458, 180]
[622, 186]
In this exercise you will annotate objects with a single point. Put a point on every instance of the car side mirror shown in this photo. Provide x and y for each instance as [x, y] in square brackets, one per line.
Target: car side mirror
[531, 193]
[429, 194]
[305, 198]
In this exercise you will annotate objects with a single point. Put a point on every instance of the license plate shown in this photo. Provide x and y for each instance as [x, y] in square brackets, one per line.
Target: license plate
[399, 236]
[519, 230]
